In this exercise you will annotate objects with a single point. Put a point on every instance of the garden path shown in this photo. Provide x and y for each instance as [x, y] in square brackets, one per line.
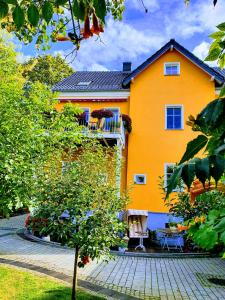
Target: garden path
[144, 278]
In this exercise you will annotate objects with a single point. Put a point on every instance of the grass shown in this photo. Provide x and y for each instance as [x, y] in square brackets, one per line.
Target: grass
[16, 284]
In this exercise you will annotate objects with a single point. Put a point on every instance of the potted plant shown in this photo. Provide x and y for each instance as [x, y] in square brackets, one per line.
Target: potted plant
[127, 123]
[123, 246]
[173, 226]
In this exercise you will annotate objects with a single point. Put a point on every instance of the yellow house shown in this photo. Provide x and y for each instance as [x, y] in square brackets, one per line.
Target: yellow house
[158, 96]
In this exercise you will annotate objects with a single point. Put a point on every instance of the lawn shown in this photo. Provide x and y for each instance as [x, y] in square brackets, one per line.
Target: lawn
[16, 284]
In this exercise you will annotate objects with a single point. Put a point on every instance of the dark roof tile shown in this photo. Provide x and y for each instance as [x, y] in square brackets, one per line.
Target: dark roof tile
[99, 81]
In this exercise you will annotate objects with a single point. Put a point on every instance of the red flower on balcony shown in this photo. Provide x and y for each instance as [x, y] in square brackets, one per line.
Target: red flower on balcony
[102, 113]
[127, 122]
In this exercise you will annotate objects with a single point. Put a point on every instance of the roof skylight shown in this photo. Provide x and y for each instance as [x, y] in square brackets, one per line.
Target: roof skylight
[84, 83]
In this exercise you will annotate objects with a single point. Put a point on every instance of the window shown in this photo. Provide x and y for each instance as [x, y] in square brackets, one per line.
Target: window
[140, 178]
[174, 117]
[84, 83]
[110, 123]
[172, 69]
[168, 172]
[87, 113]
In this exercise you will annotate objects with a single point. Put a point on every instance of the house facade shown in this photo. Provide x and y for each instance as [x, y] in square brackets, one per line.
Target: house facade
[158, 96]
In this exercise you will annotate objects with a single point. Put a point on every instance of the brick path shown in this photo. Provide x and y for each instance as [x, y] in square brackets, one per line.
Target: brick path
[144, 278]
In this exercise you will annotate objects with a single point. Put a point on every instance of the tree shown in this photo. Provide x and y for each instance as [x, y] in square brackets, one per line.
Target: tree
[31, 131]
[87, 192]
[47, 69]
[48, 20]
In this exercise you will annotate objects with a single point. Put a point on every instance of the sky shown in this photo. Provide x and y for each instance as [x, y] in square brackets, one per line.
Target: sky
[140, 34]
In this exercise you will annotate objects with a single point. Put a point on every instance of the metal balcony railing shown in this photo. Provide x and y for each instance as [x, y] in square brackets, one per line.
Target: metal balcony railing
[107, 127]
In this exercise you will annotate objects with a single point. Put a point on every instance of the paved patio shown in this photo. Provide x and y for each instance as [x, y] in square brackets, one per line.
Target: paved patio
[144, 278]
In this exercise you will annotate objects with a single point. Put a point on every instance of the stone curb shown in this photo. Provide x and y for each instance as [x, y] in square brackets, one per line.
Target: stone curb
[23, 233]
[66, 278]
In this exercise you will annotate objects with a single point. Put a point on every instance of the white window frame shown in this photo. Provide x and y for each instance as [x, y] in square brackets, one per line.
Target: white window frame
[140, 183]
[166, 165]
[182, 115]
[172, 64]
[89, 112]
[179, 188]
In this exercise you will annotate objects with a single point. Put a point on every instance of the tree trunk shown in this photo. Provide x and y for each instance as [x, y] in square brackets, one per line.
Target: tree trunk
[74, 287]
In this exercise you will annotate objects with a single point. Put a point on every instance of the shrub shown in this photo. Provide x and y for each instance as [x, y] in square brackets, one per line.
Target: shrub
[181, 206]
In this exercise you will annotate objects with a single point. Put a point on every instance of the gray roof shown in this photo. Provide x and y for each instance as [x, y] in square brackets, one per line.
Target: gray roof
[99, 81]
[218, 70]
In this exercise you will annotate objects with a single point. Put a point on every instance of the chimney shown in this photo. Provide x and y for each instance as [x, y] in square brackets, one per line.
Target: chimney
[126, 66]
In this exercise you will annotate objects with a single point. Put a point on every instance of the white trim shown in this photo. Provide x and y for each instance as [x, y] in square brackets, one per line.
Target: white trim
[182, 116]
[172, 64]
[145, 179]
[94, 95]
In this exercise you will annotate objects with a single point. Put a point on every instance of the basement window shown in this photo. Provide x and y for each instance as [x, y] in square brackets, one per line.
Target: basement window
[140, 178]
[172, 69]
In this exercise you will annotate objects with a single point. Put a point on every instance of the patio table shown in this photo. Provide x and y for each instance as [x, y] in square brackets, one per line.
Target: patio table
[170, 235]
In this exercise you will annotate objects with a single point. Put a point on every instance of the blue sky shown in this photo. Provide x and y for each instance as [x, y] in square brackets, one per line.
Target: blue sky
[139, 35]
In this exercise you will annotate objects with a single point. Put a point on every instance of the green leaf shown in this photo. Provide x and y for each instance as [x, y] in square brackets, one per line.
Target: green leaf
[202, 169]
[213, 54]
[33, 14]
[61, 2]
[221, 26]
[213, 215]
[18, 16]
[79, 9]
[217, 166]
[217, 35]
[188, 174]
[11, 2]
[100, 9]
[212, 113]
[4, 8]
[174, 179]
[47, 11]
[193, 147]
[222, 237]
[222, 92]
[220, 227]
[206, 238]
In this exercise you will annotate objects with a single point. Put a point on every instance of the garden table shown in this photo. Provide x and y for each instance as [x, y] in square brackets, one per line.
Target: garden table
[166, 235]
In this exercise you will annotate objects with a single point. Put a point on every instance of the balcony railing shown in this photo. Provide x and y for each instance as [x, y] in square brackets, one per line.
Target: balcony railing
[106, 127]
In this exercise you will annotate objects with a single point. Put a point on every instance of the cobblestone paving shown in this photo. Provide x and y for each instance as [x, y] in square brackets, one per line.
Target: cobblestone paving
[144, 278]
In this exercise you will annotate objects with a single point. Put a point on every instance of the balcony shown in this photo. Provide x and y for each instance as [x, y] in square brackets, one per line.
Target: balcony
[106, 128]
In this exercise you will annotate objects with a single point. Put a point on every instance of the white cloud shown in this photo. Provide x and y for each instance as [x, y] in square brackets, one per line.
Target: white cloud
[201, 51]
[120, 42]
[199, 17]
[22, 58]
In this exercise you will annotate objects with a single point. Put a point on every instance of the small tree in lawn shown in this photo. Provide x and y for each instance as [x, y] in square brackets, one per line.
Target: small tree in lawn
[87, 191]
